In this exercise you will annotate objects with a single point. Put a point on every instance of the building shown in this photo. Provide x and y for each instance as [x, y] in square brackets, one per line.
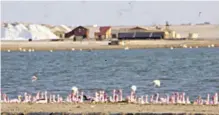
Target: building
[79, 31]
[117, 30]
[104, 33]
[92, 31]
[141, 35]
[137, 32]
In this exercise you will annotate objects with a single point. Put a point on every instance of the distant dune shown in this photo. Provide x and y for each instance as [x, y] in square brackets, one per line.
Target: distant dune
[204, 31]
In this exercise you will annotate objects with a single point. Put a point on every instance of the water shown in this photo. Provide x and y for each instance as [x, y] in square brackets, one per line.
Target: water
[194, 71]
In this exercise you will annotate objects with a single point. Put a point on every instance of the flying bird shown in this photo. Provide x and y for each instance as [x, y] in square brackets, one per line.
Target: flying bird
[134, 88]
[156, 83]
[199, 14]
[74, 89]
[34, 78]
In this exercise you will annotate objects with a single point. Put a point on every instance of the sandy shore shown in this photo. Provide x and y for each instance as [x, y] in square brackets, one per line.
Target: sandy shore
[69, 45]
[109, 108]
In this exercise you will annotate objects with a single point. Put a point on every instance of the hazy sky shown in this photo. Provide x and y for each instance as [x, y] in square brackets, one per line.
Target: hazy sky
[74, 13]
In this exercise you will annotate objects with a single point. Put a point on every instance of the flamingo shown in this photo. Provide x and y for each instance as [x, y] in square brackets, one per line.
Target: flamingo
[168, 99]
[146, 99]
[157, 97]
[96, 97]
[43, 100]
[101, 96]
[58, 98]
[187, 100]
[142, 100]
[25, 98]
[114, 95]
[156, 83]
[133, 90]
[111, 99]
[5, 99]
[105, 97]
[129, 99]
[68, 98]
[152, 99]
[121, 97]
[162, 100]
[216, 98]
[34, 78]
[183, 98]
[82, 97]
[38, 95]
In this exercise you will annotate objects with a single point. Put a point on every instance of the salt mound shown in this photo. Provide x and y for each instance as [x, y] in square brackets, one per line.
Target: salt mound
[25, 34]
[20, 32]
[10, 33]
[2, 32]
[66, 28]
[17, 32]
[41, 32]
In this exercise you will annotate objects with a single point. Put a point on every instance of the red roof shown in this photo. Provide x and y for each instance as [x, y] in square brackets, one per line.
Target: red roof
[103, 30]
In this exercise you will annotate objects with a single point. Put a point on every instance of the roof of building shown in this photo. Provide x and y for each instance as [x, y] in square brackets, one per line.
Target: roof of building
[138, 27]
[80, 27]
[103, 30]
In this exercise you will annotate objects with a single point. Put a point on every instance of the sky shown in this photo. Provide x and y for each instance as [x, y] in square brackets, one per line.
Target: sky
[74, 13]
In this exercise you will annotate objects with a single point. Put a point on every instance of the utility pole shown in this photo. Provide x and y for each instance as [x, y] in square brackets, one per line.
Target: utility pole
[167, 25]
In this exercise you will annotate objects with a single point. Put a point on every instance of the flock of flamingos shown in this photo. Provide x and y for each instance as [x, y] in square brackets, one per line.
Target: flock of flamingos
[117, 97]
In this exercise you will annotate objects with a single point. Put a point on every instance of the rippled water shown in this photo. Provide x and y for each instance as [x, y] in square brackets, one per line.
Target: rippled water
[195, 71]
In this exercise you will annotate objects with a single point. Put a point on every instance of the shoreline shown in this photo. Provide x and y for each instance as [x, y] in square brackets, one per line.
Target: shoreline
[109, 108]
[103, 45]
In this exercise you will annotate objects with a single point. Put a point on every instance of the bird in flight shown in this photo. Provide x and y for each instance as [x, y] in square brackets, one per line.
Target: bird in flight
[199, 14]
[156, 83]
[34, 78]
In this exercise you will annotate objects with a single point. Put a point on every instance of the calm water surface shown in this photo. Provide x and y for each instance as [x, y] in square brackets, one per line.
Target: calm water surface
[194, 71]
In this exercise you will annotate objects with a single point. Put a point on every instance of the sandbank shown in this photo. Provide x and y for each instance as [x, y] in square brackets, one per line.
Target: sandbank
[103, 45]
[110, 108]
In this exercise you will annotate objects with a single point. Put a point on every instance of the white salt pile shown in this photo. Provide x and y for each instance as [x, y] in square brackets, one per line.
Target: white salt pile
[67, 29]
[20, 32]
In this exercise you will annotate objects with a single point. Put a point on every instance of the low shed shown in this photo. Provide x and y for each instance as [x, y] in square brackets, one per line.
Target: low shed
[141, 35]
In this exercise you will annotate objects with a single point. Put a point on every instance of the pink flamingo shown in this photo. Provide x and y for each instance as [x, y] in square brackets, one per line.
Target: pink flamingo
[43, 100]
[105, 97]
[146, 99]
[114, 95]
[208, 100]
[187, 100]
[82, 97]
[151, 99]
[25, 98]
[157, 97]
[183, 98]
[142, 100]
[96, 97]
[34, 78]
[5, 98]
[68, 98]
[111, 99]
[216, 98]
[121, 97]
